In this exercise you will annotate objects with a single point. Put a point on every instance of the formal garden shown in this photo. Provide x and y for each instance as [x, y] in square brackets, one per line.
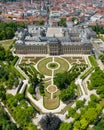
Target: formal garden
[56, 74]
[57, 85]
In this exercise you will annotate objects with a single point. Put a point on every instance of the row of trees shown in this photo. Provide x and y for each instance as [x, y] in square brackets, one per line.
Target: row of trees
[23, 112]
[5, 123]
[84, 115]
[5, 55]
[100, 125]
[8, 76]
[97, 81]
[87, 115]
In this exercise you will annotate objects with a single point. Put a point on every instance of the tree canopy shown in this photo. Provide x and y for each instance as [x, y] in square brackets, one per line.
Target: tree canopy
[62, 22]
[7, 30]
[5, 123]
[97, 81]
[68, 93]
[50, 122]
[98, 29]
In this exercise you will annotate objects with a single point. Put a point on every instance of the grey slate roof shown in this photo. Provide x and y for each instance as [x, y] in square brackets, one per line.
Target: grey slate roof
[27, 38]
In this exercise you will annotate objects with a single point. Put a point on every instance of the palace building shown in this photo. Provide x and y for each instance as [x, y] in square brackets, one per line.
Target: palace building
[53, 41]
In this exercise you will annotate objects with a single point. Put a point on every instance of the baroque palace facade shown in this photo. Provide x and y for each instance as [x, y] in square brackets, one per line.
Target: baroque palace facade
[53, 41]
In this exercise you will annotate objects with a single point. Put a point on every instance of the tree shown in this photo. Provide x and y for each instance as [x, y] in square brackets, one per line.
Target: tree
[94, 98]
[41, 22]
[34, 80]
[101, 57]
[76, 125]
[90, 115]
[20, 97]
[59, 80]
[2, 53]
[71, 112]
[31, 90]
[65, 126]
[3, 73]
[84, 124]
[41, 89]
[97, 81]
[2, 92]
[5, 123]
[50, 122]
[74, 18]
[9, 33]
[62, 22]
[100, 91]
[63, 80]
[9, 56]
[98, 29]
[97, 78]
[32, 127]
[9, 126]
[7, 30]
[79, 103]
[100, 125]
[68, 93]
[77, 116]
[2, 35]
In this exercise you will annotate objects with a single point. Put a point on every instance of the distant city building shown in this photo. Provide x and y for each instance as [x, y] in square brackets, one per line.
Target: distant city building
[53, 41]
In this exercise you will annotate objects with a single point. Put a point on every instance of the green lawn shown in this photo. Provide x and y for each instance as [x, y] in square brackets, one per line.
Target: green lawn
[51, 103]
[42, 66]
[47, 101]
[7, 43]
[78, 91]
[64, 66]
[92, 61]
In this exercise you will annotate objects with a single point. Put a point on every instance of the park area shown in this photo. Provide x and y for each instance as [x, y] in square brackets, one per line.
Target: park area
[50, 67]
[58, 65]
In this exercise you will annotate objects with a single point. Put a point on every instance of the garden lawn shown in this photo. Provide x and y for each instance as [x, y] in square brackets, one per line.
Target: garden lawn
[87, 73]
[7, 43]
[92, 61]
[64, 66]
[51, 103]
[42, 66]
